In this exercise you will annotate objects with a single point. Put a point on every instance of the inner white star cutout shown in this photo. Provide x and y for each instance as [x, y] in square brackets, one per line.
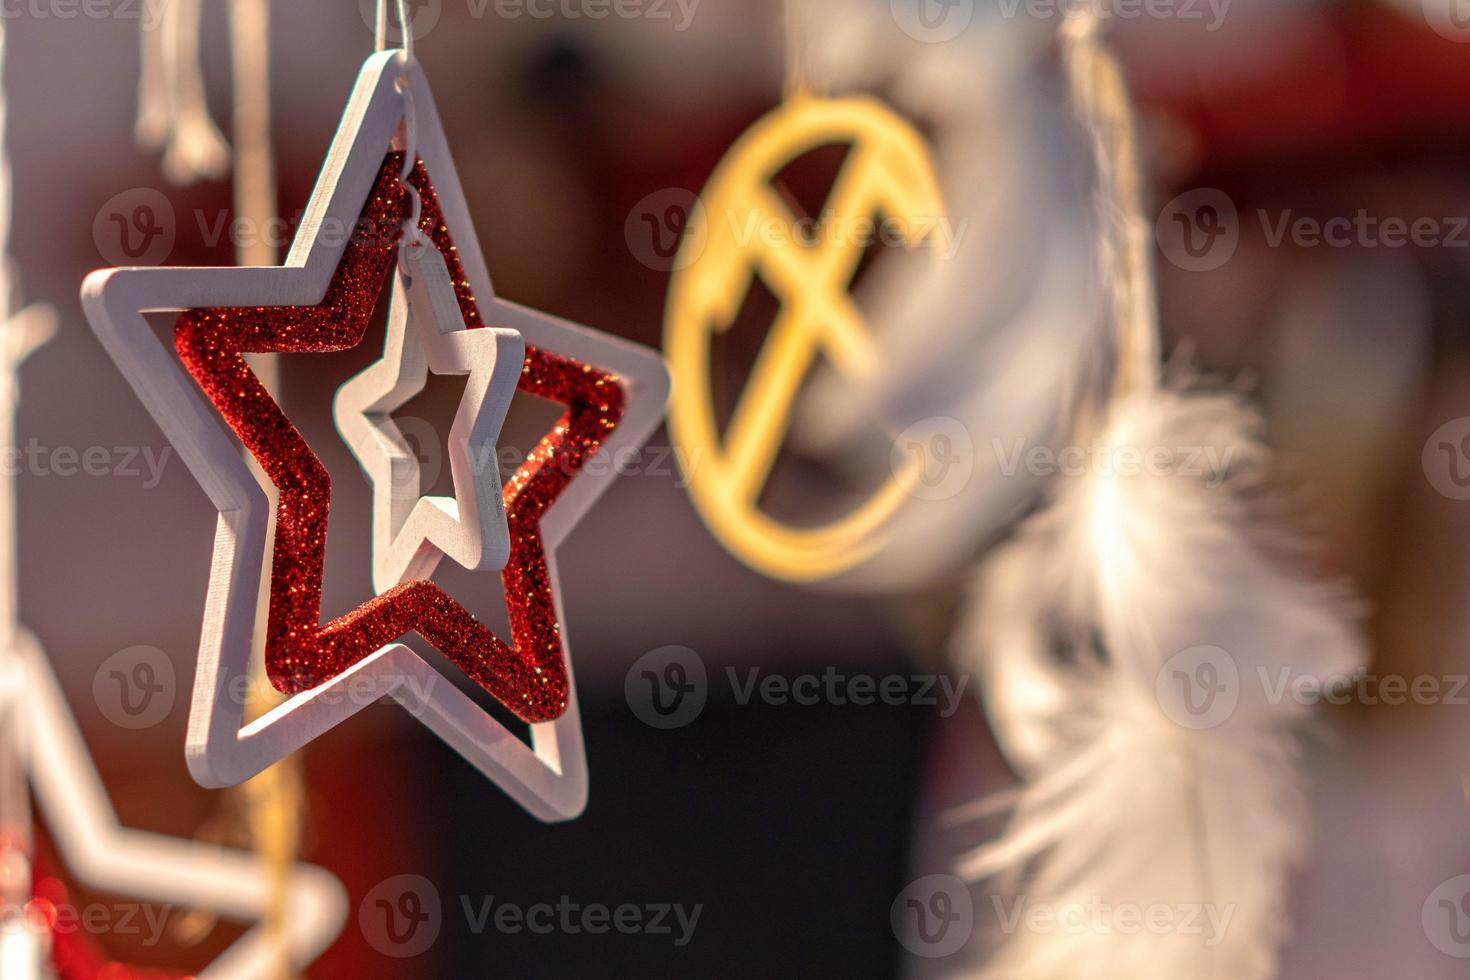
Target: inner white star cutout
[411, 532]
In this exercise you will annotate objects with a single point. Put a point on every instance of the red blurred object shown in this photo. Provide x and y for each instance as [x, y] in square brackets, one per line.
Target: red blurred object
[73, 954]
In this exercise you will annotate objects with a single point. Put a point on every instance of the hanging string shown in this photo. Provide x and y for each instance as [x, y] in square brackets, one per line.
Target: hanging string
[1100, 97]
[797, 77]
[15, 818]
[380, 41]
[1101, 100]
[23, 948]
[173, 114]
[414, 239]
[273, 801]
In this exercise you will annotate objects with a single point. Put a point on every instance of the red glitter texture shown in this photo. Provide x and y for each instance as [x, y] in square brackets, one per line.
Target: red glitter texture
[74, 955]
[529, 676]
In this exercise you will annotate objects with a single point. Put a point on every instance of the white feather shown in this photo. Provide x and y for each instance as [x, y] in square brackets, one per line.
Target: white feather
[1075, 629]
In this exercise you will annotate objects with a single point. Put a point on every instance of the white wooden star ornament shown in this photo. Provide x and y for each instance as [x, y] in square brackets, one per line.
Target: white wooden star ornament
[411, 532]
[549, 776]
[173, 871]
[84, 828]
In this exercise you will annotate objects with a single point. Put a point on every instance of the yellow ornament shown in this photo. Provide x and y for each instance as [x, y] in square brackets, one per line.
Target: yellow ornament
[886, 190]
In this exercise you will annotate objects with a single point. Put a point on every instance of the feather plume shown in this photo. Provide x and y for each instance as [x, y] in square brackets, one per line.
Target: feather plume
[1133, 640]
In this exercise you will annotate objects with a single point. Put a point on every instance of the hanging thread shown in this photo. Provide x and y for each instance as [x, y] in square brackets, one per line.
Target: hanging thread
[1100, 98]
[173, 114]
[414, 240]
[23, 947]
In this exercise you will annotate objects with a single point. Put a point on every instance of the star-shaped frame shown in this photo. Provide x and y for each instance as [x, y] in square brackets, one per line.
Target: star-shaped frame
[549, 777]
[412, 532]
[155, 867]
[83, 825]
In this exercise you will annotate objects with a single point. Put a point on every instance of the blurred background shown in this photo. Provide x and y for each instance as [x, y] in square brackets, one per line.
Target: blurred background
[795, 827]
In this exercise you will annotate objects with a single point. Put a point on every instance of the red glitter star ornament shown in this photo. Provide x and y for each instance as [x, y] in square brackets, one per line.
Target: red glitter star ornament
[319, 300]
[300, 653]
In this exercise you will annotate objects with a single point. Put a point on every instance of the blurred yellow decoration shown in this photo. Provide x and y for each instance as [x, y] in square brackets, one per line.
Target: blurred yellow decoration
[742, 228]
